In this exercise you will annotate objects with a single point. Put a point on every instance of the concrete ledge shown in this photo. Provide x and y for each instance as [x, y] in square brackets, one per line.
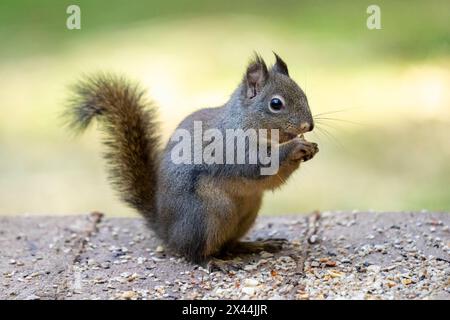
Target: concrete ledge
[329, 256]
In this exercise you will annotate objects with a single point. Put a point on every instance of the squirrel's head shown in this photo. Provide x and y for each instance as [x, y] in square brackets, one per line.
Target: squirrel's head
[272, 100]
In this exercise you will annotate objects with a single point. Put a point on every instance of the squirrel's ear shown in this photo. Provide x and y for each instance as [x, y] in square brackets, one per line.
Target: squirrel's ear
[255, 76]
[280, 66]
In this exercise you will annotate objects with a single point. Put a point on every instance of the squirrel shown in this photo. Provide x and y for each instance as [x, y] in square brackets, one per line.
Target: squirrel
[199, 211]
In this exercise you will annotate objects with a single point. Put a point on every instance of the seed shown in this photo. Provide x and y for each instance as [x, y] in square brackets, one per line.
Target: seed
[330, 263]
[335, 273]
[250, 283]
[303, 296]
[406, 281]
[127, 295]
[391, 284]
[249, 290]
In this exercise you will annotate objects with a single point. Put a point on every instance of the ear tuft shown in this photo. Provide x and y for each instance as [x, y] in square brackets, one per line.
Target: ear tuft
[255, 76]
[280, 66]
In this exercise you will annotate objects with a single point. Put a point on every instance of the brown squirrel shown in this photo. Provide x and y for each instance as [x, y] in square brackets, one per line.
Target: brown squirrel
[198, 210]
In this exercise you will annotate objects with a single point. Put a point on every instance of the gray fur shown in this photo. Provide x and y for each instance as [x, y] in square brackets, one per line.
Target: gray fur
[198, 210]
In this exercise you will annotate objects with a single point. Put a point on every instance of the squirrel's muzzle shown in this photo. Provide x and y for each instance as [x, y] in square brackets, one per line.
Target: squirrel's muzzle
[306, 126]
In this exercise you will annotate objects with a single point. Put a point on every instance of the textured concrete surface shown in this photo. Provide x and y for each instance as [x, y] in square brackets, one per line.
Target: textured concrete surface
[358, 255]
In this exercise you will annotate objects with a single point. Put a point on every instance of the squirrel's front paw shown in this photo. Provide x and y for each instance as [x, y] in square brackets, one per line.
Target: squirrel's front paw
[303, 150]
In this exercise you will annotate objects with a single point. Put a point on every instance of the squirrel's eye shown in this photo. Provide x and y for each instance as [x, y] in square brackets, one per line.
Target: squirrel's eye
[276, 104]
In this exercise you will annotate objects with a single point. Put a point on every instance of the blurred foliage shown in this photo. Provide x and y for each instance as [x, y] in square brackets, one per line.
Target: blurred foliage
[414, 29]
[388, 149]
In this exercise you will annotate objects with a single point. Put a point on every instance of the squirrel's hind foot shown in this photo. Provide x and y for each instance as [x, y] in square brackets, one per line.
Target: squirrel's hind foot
[247, 247]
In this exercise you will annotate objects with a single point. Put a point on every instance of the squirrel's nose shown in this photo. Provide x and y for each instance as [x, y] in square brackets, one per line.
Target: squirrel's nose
[306, 126]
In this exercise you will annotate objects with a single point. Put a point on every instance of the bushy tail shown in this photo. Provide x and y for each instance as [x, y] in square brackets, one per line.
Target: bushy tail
[130, 134]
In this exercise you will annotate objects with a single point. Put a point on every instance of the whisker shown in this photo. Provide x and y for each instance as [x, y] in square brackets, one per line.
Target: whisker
[330, 125]
[337, 141]
[316, 134]
[332, 137]
[320, 130]
[337, 111]
[342, 120]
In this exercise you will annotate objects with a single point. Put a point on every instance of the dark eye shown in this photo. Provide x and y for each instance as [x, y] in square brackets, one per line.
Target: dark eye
[276, 104]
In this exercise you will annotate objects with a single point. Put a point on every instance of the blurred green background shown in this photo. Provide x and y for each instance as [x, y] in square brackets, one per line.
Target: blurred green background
[389, 149]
